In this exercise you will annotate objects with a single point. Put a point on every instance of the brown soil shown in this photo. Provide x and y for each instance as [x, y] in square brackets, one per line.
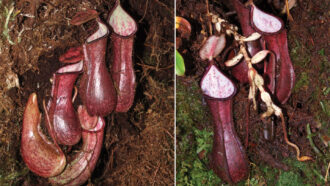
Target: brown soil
[308, 37]
[138, 144]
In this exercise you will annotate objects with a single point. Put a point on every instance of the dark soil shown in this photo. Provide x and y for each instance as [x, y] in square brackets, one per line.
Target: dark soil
[138, 145]
[308, 38]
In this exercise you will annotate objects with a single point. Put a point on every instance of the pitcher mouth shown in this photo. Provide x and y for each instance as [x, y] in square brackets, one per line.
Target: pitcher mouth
[72, 55]
[265, 23]
[74, 68]
[102, 32]
[216, 85]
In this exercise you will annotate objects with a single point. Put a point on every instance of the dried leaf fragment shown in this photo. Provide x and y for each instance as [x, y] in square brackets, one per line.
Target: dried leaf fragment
[258, 57]
[233, 61]
[252, 37]
[12, 80]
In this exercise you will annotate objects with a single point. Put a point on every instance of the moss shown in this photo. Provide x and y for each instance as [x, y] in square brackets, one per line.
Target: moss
[301, 173]
[289, 179]
[270, 174]
[190, 106]
[325, 66]
[325, 105]
[13, 176]
[309, 172]
[300, 55]
[303, 82]
[262, 175]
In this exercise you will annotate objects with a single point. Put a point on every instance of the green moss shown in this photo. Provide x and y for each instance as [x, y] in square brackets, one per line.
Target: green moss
[301, 173]
[289, 179]
[325, 105]
[325, 66]
[270, 174]
[189, 107]
[300, 55]
[303, 81]
[11, 177]
[322, 52]
[309, 171]
[203, 140]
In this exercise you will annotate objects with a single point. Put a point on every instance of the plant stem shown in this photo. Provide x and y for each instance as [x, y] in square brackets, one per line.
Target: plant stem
[310, 139]
[208, 14]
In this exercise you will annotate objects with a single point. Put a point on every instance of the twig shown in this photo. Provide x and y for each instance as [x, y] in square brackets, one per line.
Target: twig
[155, 174]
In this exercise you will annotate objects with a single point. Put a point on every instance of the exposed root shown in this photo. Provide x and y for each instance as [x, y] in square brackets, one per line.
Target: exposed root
[299, 158]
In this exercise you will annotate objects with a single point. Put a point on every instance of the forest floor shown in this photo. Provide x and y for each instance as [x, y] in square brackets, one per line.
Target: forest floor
[138, 145]
[307, 110]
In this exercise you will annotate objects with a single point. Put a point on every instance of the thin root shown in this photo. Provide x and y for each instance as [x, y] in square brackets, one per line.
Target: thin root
[75, 94]
[48, 123]
[299, 158]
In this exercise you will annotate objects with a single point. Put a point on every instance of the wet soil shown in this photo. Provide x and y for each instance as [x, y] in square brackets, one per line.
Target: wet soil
[308, 45]
[138, 145]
